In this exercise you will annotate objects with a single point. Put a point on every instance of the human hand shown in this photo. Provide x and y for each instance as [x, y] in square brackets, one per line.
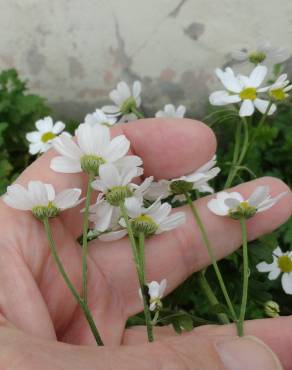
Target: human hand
[38, 308]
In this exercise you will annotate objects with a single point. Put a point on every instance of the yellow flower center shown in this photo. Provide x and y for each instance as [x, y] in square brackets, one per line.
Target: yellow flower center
[249, 93]
[277, 94]
[47, 136]
[285, 263]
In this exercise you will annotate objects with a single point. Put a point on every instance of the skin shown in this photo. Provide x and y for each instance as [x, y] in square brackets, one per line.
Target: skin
[41, 326]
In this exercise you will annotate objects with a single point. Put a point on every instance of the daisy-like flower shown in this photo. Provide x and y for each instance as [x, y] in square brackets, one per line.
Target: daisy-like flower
[126, 101]
[47, 131]
[197, 180]
[263, 53]
[242, 89]
[156, 292]
[100, 118]
[234, 205]
[93, 148]
[282, 264]
[41, 199]
[172, 112]
[279, 89]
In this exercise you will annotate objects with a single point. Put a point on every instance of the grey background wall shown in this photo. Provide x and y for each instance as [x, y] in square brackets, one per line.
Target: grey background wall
[74, 51]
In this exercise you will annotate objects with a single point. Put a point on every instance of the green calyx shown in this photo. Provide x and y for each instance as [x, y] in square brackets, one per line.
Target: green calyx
[244, 210]
[90, 164]
[181, 187]
[272, 309]
[144, 224]
[118, 194]
[257, 57]
[42, 212]
[129, 105]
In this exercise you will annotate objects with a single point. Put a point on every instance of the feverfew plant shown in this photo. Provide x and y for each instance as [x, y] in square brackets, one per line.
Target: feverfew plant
[119, 204]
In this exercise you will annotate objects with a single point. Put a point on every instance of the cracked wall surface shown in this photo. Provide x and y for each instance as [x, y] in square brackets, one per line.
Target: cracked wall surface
[74, 52]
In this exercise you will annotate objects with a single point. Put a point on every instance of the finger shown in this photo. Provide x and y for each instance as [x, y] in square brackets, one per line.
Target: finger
[175, 255]
[168, 147]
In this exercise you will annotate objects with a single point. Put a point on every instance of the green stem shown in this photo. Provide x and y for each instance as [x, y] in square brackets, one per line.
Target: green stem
[210, 295]
[138, 113]
[136, 254]
[235, 154]
[261, 123]
[142, 255]
[212, 257]
[245, 276]
[240, 157]
[85, 241]
[69, 284]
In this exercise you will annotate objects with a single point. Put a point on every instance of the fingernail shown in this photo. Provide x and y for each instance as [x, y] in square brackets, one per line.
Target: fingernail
[247, 353]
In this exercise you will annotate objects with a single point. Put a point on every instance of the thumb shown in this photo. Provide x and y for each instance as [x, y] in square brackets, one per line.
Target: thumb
[246, 353]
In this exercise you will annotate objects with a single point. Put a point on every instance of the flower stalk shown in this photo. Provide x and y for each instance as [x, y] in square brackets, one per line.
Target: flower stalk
[139, 257]
[245, 277]
[80, 301]
[85, 241]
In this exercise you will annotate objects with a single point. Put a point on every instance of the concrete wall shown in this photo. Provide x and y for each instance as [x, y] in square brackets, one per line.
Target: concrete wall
[74, 51]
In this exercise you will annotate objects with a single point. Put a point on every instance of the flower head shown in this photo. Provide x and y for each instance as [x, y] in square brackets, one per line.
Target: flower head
[93, 148]
[47, 131]
[41, 199]
[156, 291]
[279, 89]
[234, 205]
[196, 180]
[282, 264]
[100, 118]
[126, 101]
[242, 89]
[264, 53]
[172, 112]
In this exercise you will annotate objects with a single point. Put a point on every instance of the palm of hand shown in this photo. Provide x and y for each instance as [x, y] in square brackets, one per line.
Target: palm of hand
[33, 296]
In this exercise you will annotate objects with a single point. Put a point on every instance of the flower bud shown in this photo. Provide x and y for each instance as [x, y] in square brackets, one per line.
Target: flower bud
[90, 164]
[180, 187]
[272, 309]
[257, 57]
[128, 105]
[118, 194]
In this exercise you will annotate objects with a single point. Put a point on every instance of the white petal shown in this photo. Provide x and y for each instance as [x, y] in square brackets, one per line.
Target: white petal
[18, 197]
[133, 207]
[258, 195]
[258, 75]
[228, 79]
[109, 175]
[67, 198]
[65, 165]
[50, 191]
[113, 235]
[103, 216]
[175, 220]
[34, 137]
[111, 109]
[36, 148]
[215, 207]
[246, 108]
[137, 87]
[232, 203]
[274, 274]
[45, 125]
[162, 289]
[38, 193]
[123, 90]
[268, 203]
[181, 110]
[65, 145]
[262, 106]
[287, 282]
[161, 213]
[223, 98]
[99, 185]
[278, 252]
[128, 161]
[58, 127]
[153, 289]
[118, 147]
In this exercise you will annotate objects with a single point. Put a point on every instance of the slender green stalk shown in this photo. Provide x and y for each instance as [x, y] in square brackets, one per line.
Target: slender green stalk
[138, 113]
[261, 123]
[210, 295]
[85, 241]
[212, 257]
[235, 154]
[240, 156]
[245, 277]
[68, 282]
[139, 263]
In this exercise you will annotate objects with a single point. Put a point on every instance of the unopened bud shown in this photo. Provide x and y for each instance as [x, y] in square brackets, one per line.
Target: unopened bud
[272, 309]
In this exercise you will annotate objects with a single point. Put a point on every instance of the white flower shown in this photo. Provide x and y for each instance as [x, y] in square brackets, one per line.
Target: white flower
[278, 90]
[125, 101]
[100, 118]
[196, 180]
[40, 198]
[170, 111]
[93, 148]
[282, 263]
[242, 89]
[156, 291]
[41, 140]
[233, 204]
[264, 53]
